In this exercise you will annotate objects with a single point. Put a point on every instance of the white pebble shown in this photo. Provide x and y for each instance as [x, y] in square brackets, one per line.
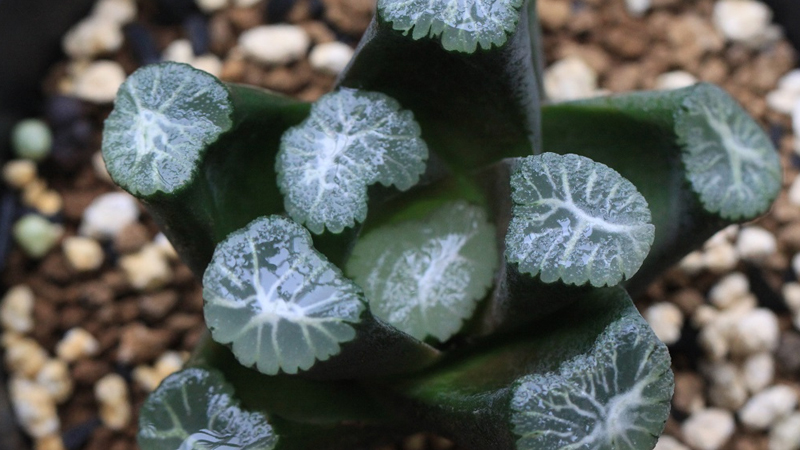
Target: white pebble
[165, 247]
[16, 309]
[99, 82]
[693, 263]
[796, 125]
[76, 344]
[92, 37]
[208, 63]
[720, 258]
[209, 6]
[790, 82]
[755, 244]
[108, 214]
[758, 371]
[180, 50]
[727, 388]
[666, 320]
[708, 429]
[796, 265]
[111, 393]
[34, 408]
[782, 100]
[675, 80]
[331, 57]
[666, 442]
[791, 296]
[745, 21]
[54, 376]
[570, 79]
[84, 254]
[275, 44]
[785, 435]
[729, 290]
[116, 11]
[756, 332]
[147, 269]
[25, 357]
[767, 407]
[637, 8]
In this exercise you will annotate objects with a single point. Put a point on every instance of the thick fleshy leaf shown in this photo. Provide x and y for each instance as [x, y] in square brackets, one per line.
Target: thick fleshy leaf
[461, 25]
[576, 220]
[164, 117]
[729, 160]
[426, 276]
[351, 140]
[615, 398]
[277, 300]
[195, 409]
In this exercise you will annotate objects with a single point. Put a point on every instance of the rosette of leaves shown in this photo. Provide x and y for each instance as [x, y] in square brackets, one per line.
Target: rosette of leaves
[427, 248]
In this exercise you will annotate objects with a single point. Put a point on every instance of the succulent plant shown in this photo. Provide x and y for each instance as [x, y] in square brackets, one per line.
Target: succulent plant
[432, 246]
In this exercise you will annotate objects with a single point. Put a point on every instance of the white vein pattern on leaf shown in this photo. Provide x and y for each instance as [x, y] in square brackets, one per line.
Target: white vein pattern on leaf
[292, 292]
[425, 276]
[224, 424]
[351, 140]
[591, 405]
[552, 233]
[728, 158]
[462, 25]
[151, 145]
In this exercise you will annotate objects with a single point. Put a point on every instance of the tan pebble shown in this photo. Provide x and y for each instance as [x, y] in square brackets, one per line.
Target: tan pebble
[49, 203]
[720, 258]
[84, 254]
[169, 363]
[25, 357]
[76, 344]
[49, 442]
[131, 238]
[139, 343]
[99, 166]
[55, 377]
[146, 270]
[553, 14]
[34, 408]
[146, 377]
[689, 392]
[19, 172]
[165, 247]
[100, 82]
[92, 37]
[32, 191]
[111, 393]
[16, 309]
[688, 300]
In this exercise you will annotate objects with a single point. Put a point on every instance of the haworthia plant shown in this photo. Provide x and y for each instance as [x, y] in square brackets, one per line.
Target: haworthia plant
[427, 248]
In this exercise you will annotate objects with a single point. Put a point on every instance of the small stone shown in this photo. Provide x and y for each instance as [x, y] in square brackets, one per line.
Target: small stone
[111, 393]
[34, 408]
[76, 344]
[16, 309]
[116, 11]
[796, 264]
[727, 386]
[146, 377]
[49, 202]
[31, 139]
[794, 191]
[36, 235]
[729, 290]
[637, 8]
[25, 357]
[140, 344]
[669, 443]
[157, 306]
[275, 44]
[150, 377]
[108, 214]
[755, 244]
[165, 247]
[99, 166]
[758, 371]
[708, 429]
[99, 82]
[209, 6]
[720, 258]
[180, 50]
[92, 37]
[745, 21]
[693, 263]
[768, 406]
[49, 442]
[553, 14]
[791, 296]
[330, 58]
[146, 270]
[757, 331]
[782, 101]
[688, 300]
[54, 376]
[570, 79]
[209, 64]
[785, 435]
[666, 320]
[169, 363]
[84, 254]
[675, 80]
[19, 172]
